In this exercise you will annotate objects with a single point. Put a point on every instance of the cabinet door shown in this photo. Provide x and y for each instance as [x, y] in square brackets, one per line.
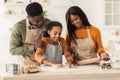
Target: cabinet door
[112, 12]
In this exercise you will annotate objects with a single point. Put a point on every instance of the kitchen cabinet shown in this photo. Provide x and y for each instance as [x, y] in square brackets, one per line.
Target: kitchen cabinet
[112, 14]
[10, 13]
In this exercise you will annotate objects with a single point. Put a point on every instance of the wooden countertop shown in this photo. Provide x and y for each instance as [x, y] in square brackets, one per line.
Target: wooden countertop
[84, 72]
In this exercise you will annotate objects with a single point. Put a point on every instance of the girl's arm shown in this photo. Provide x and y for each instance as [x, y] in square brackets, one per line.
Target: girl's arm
[67, 54]
[39, 54]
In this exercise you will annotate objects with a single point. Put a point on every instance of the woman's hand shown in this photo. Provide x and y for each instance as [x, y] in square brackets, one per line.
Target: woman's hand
[104, 56]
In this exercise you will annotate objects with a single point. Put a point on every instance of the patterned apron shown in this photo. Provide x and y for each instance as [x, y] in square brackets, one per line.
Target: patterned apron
[32, 35]
[85, 48]
[54, 53]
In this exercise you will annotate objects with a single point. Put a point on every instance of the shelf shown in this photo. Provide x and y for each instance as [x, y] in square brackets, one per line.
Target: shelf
[13, 4]
[13, 9]
[12, 18]
[13, 15]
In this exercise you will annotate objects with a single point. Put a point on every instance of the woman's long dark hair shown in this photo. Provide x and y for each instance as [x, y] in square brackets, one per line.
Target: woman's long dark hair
[50, 26]
[75, 10]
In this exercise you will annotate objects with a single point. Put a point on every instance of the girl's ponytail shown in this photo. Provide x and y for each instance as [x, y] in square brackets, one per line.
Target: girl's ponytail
[45, 34]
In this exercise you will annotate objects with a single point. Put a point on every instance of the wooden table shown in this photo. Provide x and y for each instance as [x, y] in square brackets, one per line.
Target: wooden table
[86, 72]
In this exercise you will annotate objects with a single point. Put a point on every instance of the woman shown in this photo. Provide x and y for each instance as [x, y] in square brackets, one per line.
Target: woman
[84, 37]
[52, 47]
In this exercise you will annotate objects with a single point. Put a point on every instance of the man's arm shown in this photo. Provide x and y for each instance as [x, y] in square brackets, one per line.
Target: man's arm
[17, 38]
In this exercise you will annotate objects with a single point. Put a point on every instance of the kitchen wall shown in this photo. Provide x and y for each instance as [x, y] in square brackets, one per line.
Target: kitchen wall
[94, 10]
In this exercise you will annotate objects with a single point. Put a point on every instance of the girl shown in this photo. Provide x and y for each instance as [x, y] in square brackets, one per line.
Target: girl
[52, 46]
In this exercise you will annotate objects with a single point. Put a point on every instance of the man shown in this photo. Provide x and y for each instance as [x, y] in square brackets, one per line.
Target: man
[25, 34]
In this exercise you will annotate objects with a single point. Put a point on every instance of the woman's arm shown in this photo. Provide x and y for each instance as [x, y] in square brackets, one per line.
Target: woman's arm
[100, 49]
[98, 40]
[89, 61]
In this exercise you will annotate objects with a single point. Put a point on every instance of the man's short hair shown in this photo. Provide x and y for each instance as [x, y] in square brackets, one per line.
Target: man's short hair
[34, 9]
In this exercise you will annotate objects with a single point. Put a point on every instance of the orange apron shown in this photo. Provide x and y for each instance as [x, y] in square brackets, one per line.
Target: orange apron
[32, 35]
[85, 48]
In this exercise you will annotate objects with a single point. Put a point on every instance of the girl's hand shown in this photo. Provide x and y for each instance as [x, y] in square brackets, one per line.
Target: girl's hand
[68, 65]
[57, 66]
[104, 56]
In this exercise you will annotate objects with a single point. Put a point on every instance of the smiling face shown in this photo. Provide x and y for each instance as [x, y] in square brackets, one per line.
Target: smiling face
[55, 33]
[76, 21]
[37, 21]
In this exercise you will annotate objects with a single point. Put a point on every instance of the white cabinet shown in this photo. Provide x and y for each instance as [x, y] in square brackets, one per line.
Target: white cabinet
[10, 13]
[112, 12]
